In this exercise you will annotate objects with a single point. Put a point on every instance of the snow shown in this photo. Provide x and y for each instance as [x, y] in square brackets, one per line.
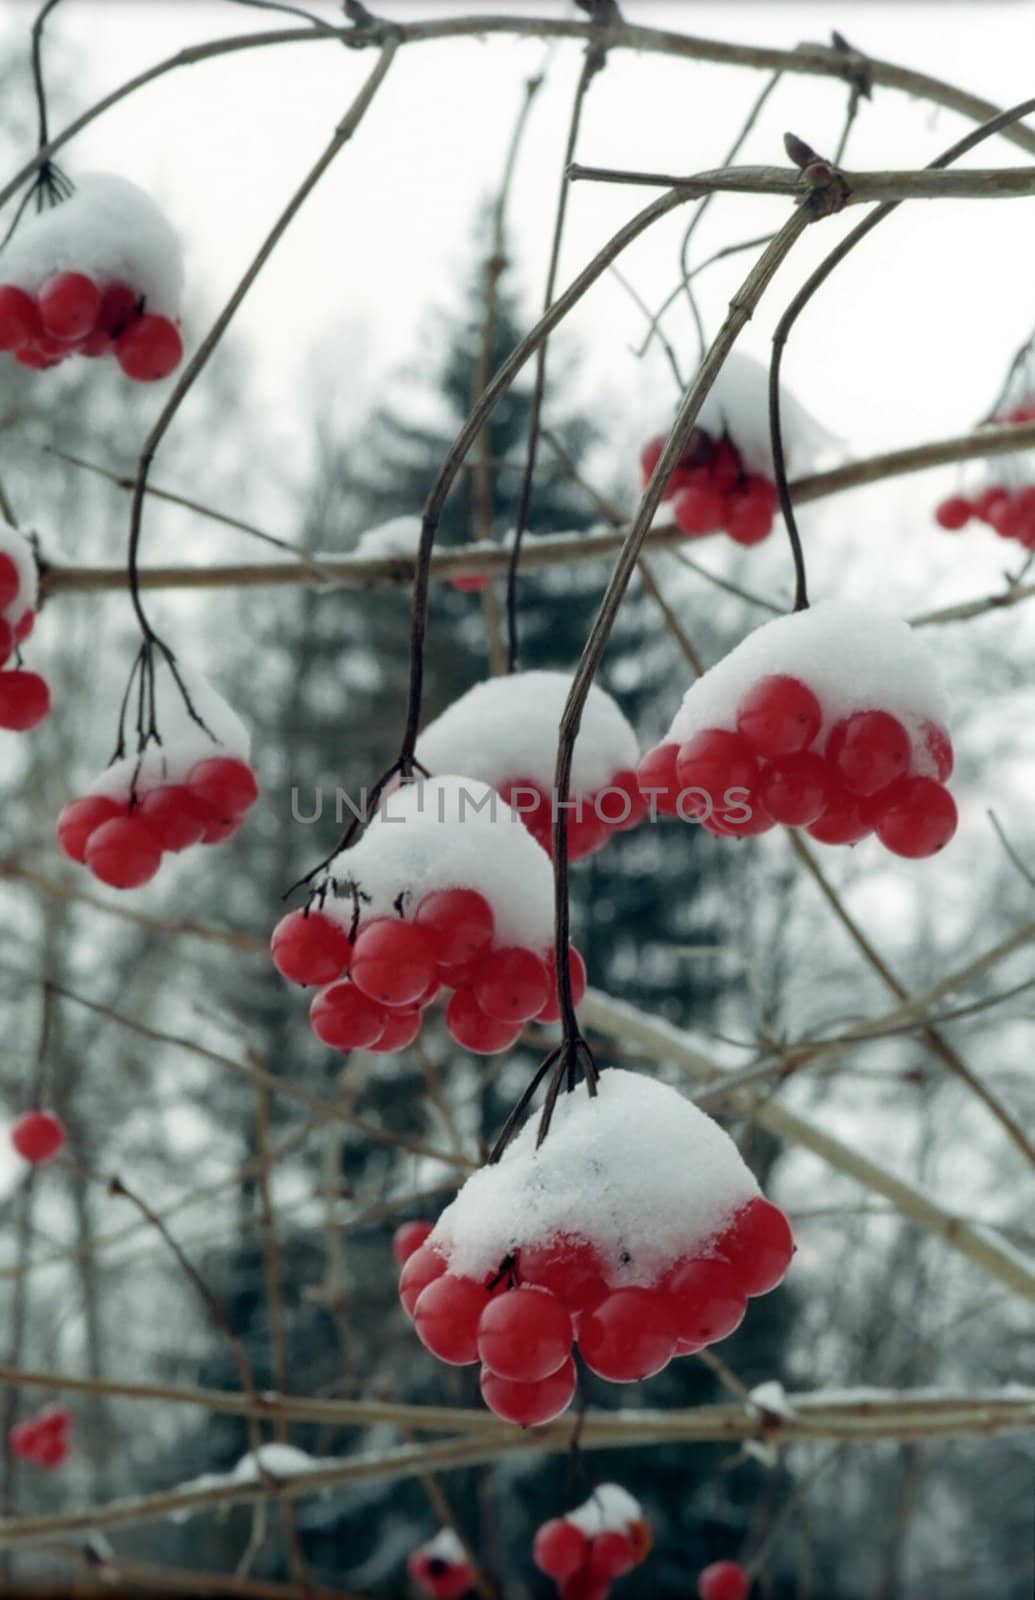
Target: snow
[399, 537]
[639, 1171]
[445, 1546]
[183, 742]
[608, 1507]
[771, 1396]
[111, 231]
[506, 728]
[852, 659]
[276, 1460]
[448, 833]
[15, 542]
[738, 404]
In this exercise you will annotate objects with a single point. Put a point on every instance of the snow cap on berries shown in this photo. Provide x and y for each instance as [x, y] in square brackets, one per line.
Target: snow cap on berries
[109, 230]
[507, 728]
[445, 1546]
[738, 404]
[637, 1170]
[852, 658]
[609, 1507]
[448, 833]
[184, 742]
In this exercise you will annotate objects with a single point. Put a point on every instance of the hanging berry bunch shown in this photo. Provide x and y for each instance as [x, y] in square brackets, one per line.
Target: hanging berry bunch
[504, 732]
[1007, 503]
[440, 1568]
[190, 784]
[24, 695]
[830, 719]
[587, 1549]
[99, 274]
[446, 890]
[42, 1439]
[634, 1229]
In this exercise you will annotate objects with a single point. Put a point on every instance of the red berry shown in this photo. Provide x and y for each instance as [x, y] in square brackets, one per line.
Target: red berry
[749, 514]
[779, 716]
[78, 820]
[712, 764]
[915, 818]
[10, 580]
[69, 305]
[938, 748]
[611, 1554]
[795, 789]
[987, 500]
[511, 984]
[149, 349]
[551, 1011]
[471, 584]
[525, 1334]
[225, 784]
[446, 1317]
[51, 1450]
[641, 1538]
[408, 1237]
[723, 1580]
[344, 1018]
[31, 356]
[613, 808]
[758, 1246]
[560, 1548]
[308, 947]
[19, 318]
[24, 626]
[474, 1030]
[421, 1268]
[123, 853]
[868, 750]
[175, 816]
[657, 780]
[393, 961]
[402, 1025]
[120, 305]
[698, 511]
[725, 465]
[707, 1300]
[459, 923]
[568, 1266]
[586, 830]
[846, 819]
[6, 640]
[630, 1335]
[530, 1404]
[1006, 516]
[954, 513]
[584, 1585]
[24, 699]
[37, 1136]
[650, 455]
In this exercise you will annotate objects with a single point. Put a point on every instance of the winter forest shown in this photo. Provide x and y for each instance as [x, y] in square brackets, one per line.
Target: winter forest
[517, 556]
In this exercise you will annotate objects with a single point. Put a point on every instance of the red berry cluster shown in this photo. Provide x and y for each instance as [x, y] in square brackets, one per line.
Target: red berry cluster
[122, 841]
[585, 1564]
[37, 1136]
[74, 315]
[711, 492]
[592, 818]
[376, 985]
[521, 1321]
[1011, 512]
[42, 1439]
[440, 1570]
[723, 1580]
[770, 771]
[24, 696]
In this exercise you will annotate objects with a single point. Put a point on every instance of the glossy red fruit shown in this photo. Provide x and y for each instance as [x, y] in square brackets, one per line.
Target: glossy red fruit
[748, 515]
[657, 780]
[78, 820]
[472, 584]
[915, 818]
[24, 626]
[587, 831]
[19, 318]
[530, 1404]
[611, 1554]
[24, 699]
[225, 784]
[69, 304]
[584, 1585]
[7, 641]
[459, 923]
[511, 984]
[120, 305]
[938, 749]
[149, 349]
[551, 1011]
[402, 1025]
[472, 1028]
[446, 1317]
[709, 766]
[650, 455]
[31, 356]
[987, 500]
[570, 1267]
[393, 961]
[795, 789]
[175, 816]
[698, 511]
[422, 1267]
[846, 819]
[123, 853]
[725, 464]
[10, 581]
[344, 1018]
[559, 1548]
[868, 750]
[625, 808]
[778, 716]
[758, 1246]
[37, 1136]
[309, 947]
[408, 1237]
[723, 1580]
[525, 1334]
[954, 513]
[630, 1335]
[707, 1299]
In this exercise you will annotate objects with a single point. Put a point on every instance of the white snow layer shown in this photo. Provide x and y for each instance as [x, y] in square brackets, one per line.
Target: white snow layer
[852, 659]
[14, 542]
[507, 728]
[184, 743]
[399, 537]
[637, 1170]
[738, 404]
[445, 1546]
[451, 833]
[278, 1460]
[111, 231]
[609, 1507]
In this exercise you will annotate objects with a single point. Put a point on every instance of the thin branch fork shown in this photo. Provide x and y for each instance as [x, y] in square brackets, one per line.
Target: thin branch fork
[860, 188]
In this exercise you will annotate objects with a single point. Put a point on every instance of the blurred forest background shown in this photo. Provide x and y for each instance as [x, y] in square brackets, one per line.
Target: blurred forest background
[132, 1013]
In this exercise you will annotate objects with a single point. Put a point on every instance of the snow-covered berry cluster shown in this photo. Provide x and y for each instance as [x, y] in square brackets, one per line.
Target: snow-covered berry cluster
[504, 733]
[194, 788]
[586, 1550]
[99, 274]
[1008, 507]
[37, 1136]
[24, 696]
[440, 1568]
[445, 890]
[42, 1439]
[831, 720]
[723, 1580]
[635, 1230]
